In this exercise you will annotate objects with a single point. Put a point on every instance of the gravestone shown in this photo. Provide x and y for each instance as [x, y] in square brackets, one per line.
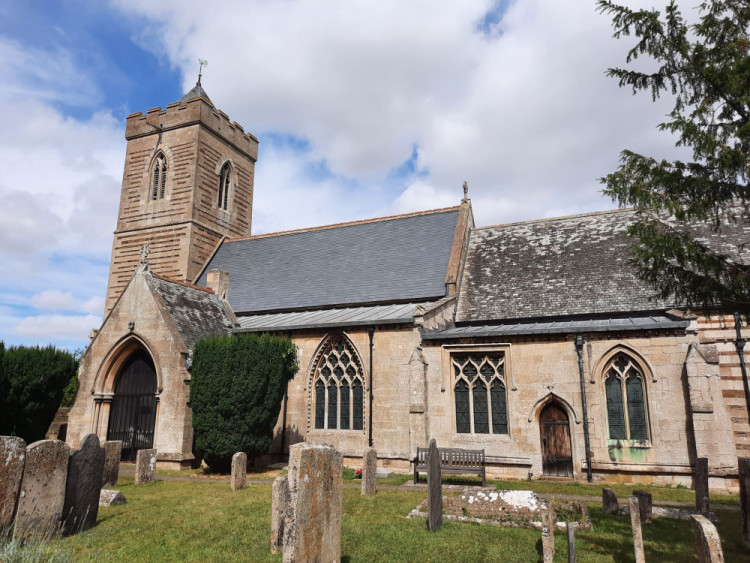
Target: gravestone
[609, 501]
[369, 471]
[42, 496]
[109, 497]
[112, 452]
[548, 531]
[744, 472]
[435, 489]
[635, 522]
[239, 471]
[701, 485]
[12, 460]
[83, 486]
[570, 528]
[708, 544]
[645, 502]
[280, 516]
[145, 466]
[315, 504]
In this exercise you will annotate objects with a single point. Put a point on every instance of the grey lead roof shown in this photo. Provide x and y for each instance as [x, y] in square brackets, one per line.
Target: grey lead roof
[399, 259]
[350, 316]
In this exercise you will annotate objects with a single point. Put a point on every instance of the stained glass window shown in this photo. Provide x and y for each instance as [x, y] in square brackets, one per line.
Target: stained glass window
[339, 391]
[615, 412]
[626, 405]
[479, 392]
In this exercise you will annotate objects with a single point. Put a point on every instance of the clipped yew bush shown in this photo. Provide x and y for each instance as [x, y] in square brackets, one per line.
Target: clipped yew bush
[237, 385]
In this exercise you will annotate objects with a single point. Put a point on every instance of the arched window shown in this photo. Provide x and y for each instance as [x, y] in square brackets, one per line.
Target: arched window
[225, 180]
[626, 404]
[479, 392]
[159, 176]
[338, 387]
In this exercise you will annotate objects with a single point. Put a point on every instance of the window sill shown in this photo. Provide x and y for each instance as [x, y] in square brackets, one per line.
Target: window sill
[480, 438]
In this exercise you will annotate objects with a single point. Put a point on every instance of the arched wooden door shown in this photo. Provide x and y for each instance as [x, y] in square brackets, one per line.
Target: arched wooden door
[133, 413]
[557, 454]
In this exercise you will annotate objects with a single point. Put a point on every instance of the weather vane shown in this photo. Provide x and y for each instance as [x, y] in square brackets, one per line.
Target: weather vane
[202, 63]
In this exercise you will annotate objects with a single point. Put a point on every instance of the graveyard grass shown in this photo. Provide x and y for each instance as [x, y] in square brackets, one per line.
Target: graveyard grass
[204, 520]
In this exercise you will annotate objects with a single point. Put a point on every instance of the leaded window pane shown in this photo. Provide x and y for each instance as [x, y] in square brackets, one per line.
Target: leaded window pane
[358, 408]
[463, 420]
[487, 370]
[345, 398]
[615, 411]
[333, 400]
[338, 372]
[636, 407]
[481, 412]
[499, 409]
[320, 404]
[470, 371]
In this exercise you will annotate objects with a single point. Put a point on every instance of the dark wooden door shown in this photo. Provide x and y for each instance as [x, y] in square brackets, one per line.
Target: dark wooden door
[557, 456]
[133, 413]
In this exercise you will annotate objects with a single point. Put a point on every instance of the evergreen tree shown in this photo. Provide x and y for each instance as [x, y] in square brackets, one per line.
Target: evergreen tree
[681, 206]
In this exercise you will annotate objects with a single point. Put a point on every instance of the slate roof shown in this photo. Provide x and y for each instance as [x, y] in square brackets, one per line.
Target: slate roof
[394, 259]
[197, 312]
[196, 91]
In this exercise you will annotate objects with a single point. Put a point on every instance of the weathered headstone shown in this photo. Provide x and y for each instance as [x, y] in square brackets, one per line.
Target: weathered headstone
[701, 485]
[548, 531]
[646, 504]
[239, 471]
[570, 528]
[83, 486]
[112, 453]
[744, 472]
[435, 489]
[145, 466]
[109, 497]
[42, 496]
[708, 545]
[280, 512]
[635, 522]
[12, 460]
[369, 471]
[315, 504]
[609, 501]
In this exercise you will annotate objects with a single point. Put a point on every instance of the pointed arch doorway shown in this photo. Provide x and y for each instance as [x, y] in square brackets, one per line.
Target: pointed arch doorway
[557, 454]
[133, 414]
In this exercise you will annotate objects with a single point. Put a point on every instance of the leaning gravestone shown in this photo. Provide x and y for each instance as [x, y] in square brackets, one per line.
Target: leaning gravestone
[109, 497]
[435, 489]
[239, 471]
[280, 516]
[112, 453]
[83, 486]
[548, 531]
[744, 471]
[645, 502]
[369, 471]
[708, 546]
[609, 501]
[12, 460]
[701, 485]
[40, 503]
[315, 504]
[635, 522]
[145, 466]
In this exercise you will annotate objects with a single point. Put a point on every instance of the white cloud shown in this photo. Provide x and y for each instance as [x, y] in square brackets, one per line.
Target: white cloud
[55, 300]
[58, 326]
[93, 305]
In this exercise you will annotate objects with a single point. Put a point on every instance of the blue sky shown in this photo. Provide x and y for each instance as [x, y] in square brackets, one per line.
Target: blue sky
[362, 109]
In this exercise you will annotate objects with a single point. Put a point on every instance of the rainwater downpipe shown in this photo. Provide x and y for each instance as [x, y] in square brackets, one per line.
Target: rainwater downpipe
[579, 350]
[740, 344]
[371, 334]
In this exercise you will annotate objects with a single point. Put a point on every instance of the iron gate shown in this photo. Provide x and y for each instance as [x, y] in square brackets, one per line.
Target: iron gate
[133, 413]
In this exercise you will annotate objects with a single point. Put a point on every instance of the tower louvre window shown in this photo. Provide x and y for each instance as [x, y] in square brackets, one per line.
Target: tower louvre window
[159, 177]
[225, 180]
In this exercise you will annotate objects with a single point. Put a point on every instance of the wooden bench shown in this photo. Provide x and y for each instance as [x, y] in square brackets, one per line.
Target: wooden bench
[452, 460]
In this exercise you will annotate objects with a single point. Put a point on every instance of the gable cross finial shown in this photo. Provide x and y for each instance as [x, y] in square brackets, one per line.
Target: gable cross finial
[144, 254]
[202, 63]
[466, 192]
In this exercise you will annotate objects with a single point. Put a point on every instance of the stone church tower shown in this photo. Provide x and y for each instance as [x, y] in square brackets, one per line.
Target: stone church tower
[188, 182]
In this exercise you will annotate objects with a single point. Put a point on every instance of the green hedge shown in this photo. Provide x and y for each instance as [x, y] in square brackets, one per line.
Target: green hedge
[32, 380]
[237, 385]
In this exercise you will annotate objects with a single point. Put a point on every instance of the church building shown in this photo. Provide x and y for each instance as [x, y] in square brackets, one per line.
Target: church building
[534, 341]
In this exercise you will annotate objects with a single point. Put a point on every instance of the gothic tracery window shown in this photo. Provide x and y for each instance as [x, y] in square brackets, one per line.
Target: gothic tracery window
[225, 180]
[158, 176]
[338, 387]
[626, 404]
[479, 393]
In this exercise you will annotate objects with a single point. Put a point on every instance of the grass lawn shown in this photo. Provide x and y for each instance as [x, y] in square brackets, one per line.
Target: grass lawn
[206, 521]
